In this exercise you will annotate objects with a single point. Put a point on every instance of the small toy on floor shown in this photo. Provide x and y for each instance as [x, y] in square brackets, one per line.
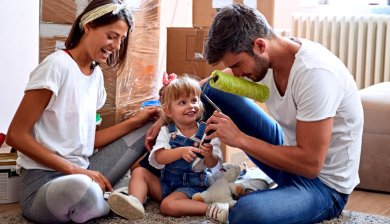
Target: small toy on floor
[222, 186]
[230, 182]
[254, 179]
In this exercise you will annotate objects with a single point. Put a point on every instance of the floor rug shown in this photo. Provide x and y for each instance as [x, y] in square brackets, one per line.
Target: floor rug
[153, 216]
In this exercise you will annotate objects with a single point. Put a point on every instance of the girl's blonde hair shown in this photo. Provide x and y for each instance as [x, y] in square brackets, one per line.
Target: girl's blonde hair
[182, 86]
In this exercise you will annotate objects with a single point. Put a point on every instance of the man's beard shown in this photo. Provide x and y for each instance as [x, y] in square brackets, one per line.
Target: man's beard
[261, 68]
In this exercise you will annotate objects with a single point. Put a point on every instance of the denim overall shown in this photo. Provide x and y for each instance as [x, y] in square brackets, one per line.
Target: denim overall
[178, 175]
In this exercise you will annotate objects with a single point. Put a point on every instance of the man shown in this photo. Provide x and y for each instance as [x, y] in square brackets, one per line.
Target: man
[313, 97]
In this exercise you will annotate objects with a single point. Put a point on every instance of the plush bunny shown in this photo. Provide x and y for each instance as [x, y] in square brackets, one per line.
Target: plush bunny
[222, 186]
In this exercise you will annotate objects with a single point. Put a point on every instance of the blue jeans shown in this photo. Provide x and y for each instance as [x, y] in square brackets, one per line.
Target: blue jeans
[296, 199]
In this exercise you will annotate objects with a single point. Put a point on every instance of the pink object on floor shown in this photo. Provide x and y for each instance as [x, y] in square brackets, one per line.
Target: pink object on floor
[2, 138]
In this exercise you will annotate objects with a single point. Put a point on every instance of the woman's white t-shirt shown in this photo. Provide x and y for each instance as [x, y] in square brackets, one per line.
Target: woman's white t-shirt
[68, 123]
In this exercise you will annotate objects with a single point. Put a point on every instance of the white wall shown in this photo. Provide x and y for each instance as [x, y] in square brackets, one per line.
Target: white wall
[284, 10]
[19, 46]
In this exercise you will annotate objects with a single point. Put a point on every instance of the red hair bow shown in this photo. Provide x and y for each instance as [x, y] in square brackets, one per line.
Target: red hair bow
[168, 78]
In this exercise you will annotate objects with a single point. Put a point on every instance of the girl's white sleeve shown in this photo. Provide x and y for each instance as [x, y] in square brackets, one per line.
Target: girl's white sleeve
[216, 143]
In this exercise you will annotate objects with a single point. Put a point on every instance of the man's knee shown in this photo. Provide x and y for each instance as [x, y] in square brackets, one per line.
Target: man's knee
[248, 210]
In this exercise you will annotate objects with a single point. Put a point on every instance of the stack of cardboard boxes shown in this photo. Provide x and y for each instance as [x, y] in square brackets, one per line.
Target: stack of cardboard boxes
[185, 45]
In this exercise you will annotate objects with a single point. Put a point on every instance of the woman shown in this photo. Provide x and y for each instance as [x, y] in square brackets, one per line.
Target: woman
[54, 126]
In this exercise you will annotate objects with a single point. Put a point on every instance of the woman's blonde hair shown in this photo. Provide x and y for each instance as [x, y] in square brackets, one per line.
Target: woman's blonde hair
[184, 85]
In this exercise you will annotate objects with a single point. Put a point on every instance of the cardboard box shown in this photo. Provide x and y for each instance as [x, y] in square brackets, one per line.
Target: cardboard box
[185, 52]
[204, 10]
[62, 12]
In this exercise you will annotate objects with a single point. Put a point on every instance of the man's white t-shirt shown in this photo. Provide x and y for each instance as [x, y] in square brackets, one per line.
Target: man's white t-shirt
[68, 123]
[319, 87]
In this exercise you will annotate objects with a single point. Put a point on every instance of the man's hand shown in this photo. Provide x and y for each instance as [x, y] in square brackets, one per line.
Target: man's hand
[225, 129]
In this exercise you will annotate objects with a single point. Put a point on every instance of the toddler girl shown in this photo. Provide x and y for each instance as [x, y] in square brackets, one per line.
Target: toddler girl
[174, 153]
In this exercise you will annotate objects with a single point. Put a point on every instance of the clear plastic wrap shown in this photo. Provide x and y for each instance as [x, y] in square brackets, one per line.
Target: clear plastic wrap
[137, 82]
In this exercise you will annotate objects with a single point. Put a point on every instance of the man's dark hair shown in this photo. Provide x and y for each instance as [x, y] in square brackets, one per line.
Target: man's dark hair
[234, 29]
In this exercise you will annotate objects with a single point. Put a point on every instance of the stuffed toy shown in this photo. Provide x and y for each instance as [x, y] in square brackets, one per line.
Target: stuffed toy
[222, 186]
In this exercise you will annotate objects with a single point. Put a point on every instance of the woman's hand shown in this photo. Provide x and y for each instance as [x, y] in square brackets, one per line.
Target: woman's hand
[147, 114]
[151, 134]
[98, 178]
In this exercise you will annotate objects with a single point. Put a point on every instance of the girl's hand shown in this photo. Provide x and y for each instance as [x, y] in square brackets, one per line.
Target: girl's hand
[210, 158]
[206, 149]
[188, 153]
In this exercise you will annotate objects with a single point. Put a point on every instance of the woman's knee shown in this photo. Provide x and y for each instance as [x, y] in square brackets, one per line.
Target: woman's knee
[71, 187]
[72, 191]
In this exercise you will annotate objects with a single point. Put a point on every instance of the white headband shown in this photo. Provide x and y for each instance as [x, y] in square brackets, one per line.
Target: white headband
[101, 11]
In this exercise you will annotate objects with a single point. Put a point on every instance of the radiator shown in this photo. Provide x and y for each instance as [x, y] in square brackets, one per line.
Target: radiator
[362, 42]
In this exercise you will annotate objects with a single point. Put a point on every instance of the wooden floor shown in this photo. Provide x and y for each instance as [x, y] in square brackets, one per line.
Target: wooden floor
[369, 202]
[360, 201]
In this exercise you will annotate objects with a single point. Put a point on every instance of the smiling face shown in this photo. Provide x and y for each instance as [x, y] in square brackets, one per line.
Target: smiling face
[104, 40]
[184, 111]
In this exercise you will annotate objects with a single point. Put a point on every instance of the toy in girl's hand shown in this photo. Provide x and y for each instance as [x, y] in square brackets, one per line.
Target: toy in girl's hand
[238, 86]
